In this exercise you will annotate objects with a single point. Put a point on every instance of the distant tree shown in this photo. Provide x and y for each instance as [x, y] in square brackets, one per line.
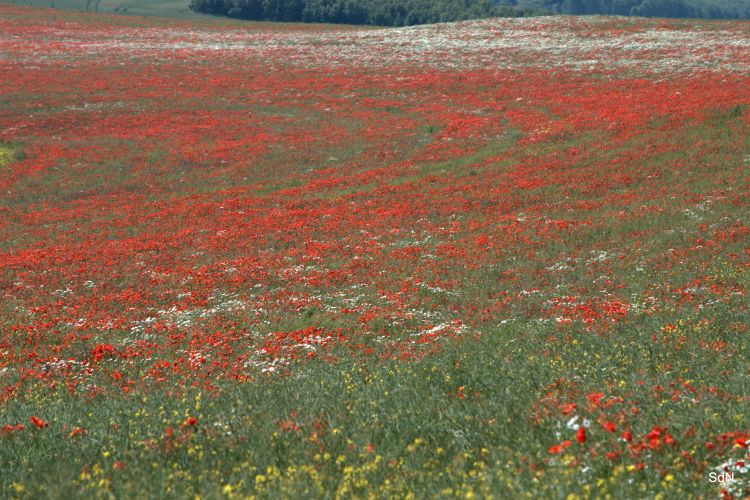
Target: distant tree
[385, 12]
[410, 12]
[663, 8]
[623, 7]
[724, 9]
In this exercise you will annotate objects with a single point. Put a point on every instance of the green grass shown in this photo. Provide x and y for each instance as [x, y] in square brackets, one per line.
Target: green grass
[161, 8]
[9, 153]
[391, 428]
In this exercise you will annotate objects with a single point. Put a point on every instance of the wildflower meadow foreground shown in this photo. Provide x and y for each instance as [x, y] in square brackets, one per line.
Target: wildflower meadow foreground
[502, 258]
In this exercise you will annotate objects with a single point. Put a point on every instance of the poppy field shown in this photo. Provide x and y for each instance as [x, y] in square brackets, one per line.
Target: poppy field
[500, 258]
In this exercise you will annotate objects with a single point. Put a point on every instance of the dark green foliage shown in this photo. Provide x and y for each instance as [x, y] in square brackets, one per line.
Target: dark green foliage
[411, 12]
[712, 9]
[374, 12]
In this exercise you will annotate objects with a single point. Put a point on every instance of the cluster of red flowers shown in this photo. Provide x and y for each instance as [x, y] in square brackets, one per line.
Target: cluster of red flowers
[12, 428]
[189, 205]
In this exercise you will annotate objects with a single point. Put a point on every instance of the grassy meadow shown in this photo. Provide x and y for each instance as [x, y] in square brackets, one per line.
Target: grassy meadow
[505, 258]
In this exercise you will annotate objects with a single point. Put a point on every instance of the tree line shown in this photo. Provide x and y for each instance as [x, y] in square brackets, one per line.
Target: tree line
[374, 12]
[707, 9]
[411, 12]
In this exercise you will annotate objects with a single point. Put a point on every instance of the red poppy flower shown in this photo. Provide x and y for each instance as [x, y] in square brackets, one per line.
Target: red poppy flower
[460, 392]
[559, 448]
[77, 432]
[628, 436]
[655, 433]
[41, 424]
[10, 428]
[610, 426]
[569, 408]
[581, 435]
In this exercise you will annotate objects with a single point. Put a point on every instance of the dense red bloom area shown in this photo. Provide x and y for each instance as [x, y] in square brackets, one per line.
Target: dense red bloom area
[194, 218]
[196, 203]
